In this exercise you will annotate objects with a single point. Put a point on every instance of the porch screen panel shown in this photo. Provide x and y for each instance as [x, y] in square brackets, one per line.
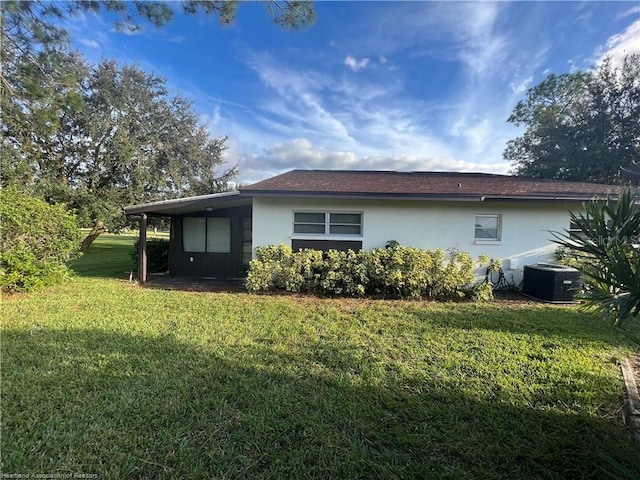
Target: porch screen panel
[246, 240]
[219, 235]
[194, 234]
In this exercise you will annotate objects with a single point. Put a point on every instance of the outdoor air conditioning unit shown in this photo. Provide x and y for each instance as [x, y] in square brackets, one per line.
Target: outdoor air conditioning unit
[553, 283]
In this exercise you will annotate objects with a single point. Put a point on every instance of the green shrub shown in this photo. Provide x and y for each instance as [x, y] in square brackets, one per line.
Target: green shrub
[412, 272]
[607, 251]
[572, 258]
[278, 268]
[483, 292]
[344, 273]
[157, 254]
[395, 271]
[36, 241]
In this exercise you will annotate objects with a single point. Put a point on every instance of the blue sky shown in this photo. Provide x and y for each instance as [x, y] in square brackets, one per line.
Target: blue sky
[372, 85]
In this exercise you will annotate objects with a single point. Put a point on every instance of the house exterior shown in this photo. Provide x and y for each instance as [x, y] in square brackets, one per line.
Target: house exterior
[498, 215]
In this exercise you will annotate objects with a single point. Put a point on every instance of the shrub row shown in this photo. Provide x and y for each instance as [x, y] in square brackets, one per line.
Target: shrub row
[157, 255]
[395, 270]
[36, 241]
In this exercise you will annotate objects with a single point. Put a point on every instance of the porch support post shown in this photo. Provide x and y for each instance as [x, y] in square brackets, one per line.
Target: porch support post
[142, 250]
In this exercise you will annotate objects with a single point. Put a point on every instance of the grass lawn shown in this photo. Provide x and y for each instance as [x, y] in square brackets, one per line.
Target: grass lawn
[100, 376]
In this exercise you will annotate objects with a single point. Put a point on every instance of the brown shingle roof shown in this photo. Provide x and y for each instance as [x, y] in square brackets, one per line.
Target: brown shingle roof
[423, 184]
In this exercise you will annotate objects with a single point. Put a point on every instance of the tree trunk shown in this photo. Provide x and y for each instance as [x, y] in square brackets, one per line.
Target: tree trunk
[95, 232]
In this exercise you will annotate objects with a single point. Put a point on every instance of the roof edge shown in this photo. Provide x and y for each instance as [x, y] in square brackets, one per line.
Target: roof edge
[425, 196]
[178, 202]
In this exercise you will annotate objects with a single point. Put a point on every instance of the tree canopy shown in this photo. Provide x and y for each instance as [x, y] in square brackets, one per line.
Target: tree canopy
[100, 137]
[118, 138]
[582, 126]
[31, 30]
[32, 23]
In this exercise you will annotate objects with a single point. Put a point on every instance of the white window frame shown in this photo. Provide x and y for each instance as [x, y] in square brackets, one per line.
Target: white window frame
[327, 225]
[480, 240]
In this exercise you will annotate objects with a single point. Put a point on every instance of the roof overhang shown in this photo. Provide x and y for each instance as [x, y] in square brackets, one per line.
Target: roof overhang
[364, 196]
[427, 197]
[181, 206]
[216, 201]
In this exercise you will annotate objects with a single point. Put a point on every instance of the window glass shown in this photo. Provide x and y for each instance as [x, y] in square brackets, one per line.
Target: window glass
[193, 234]
[246, 229]
[345, 229]
[308, 228]
[308, 217]
[487, 227]
[309, 222]
[349, 218]
[576, 232]
[219, 235]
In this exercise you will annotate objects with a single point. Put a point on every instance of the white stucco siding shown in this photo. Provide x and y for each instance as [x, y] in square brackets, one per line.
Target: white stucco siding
[525, 227]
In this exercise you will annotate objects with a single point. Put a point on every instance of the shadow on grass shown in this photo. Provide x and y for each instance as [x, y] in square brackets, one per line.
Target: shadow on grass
[126, 406]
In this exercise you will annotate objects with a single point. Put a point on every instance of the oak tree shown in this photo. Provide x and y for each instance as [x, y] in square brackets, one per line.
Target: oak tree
[582, 126]
[98, 138]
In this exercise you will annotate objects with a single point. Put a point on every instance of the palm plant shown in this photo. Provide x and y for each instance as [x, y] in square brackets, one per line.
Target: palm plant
[606, 237]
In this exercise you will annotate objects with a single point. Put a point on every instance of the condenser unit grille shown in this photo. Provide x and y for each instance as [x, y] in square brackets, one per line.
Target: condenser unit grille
[553, 283]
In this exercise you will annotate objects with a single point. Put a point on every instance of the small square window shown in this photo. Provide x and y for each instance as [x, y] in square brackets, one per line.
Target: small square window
[576, 232]
[487, 227]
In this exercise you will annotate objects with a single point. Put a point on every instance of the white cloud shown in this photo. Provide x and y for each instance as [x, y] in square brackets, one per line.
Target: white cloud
[481, 47]
[621, 44]
[521, 87]
[309, 102]
[631, 11]
[300, 153]
[418, 29]
[89, 43]
[355, 64]
[349, 121]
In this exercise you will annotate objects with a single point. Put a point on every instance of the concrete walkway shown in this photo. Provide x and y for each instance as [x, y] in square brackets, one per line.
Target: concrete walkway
[195, 284]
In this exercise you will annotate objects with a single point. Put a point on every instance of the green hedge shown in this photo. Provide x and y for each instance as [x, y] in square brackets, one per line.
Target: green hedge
[396, 271]
[157, 255]
[36, 241]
